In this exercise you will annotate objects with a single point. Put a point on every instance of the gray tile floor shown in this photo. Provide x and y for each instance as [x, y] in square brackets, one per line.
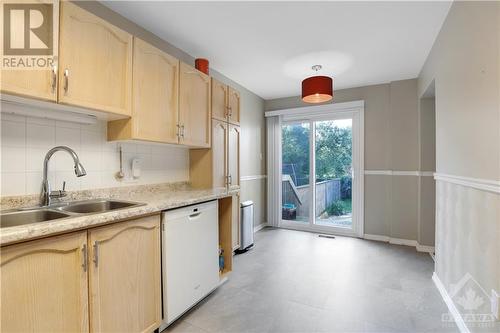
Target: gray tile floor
[294, 281]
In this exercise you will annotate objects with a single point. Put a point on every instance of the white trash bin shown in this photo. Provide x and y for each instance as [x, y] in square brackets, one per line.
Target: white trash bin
[246, 226]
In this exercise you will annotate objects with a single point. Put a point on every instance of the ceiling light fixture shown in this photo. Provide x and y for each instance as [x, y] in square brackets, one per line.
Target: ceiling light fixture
[317, 89]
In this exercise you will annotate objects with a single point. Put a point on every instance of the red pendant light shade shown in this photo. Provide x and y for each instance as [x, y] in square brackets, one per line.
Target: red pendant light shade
[317, 89]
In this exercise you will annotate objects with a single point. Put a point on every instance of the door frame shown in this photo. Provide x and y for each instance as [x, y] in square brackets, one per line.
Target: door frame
[317, 113]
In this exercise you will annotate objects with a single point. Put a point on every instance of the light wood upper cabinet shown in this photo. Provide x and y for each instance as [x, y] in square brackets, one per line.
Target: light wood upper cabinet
[44, 285]
[194, 107]
[39, 84]
[234, 106]
[225, 102]
[155, 107]
[125, 287]
[219, 151]
[95, 62]
[233, 165]
[219, 100]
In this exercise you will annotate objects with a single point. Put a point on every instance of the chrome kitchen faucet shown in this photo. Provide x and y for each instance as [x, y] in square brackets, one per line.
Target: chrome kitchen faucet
[47, 194]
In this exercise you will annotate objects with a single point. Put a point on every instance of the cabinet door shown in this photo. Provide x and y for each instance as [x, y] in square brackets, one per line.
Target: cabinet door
[40, 84]
[219, 153]
[235, 222]
[219, 100]
[233, 156]
[95, 62]
[44, 285]
[155, 94]
[234, 106]
[194, 107]
[125, 290]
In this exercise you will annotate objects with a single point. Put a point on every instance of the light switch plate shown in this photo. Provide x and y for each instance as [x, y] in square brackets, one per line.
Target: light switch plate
[136, 168]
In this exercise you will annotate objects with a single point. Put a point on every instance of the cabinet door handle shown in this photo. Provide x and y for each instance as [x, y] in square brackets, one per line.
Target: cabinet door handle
[84, 257]
[66, 80]
[230, 179]
[96, 253]
[178, 130]
[182, 131]
[53, 84]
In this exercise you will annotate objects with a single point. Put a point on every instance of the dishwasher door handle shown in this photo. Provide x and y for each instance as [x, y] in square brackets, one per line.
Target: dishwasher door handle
[194, 215]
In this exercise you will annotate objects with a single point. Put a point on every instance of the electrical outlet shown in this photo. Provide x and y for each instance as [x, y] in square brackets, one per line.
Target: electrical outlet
[495, 299]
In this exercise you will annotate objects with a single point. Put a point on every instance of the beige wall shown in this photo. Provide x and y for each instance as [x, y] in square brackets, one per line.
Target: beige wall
[252, 157]
[391, 143]
[464, 63]
[466, 74]
[427, 185]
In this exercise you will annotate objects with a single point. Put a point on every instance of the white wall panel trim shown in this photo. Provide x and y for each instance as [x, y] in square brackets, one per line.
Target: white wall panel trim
[477, 183]
[449, 303]
[253, 177]
[400, 173]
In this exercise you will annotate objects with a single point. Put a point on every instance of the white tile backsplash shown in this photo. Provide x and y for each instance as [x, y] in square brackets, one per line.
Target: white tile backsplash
[13, 134]
[40, 136]
[26, 140]
[13, 183]
[13, 159]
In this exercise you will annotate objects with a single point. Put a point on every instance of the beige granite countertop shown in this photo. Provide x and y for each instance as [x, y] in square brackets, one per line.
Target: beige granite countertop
[156, 198]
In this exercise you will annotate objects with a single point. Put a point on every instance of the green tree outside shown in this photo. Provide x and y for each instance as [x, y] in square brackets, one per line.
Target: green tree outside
[333, 150]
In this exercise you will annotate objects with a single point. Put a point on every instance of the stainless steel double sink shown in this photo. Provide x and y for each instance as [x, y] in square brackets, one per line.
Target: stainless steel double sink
[22, 216]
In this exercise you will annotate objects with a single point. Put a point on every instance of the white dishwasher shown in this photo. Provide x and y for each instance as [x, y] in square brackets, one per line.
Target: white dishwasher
[190, 258]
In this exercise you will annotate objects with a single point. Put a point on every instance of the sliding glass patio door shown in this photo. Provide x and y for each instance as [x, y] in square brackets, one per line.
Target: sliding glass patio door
[333, 173]
[319, 168]
[296, 166]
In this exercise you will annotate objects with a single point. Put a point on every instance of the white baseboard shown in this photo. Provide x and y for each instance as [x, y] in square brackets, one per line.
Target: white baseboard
[425, 248]
[378, 238]
[400, 241]
[259, 227]
[449, 303]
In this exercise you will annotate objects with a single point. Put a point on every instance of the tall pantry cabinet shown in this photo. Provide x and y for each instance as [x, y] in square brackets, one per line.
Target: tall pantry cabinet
[219, 166]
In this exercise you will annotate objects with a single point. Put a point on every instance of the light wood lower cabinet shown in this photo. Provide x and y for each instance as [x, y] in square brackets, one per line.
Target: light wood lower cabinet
[106, 279]
[44, 285]
[95, 62]
[125, 287]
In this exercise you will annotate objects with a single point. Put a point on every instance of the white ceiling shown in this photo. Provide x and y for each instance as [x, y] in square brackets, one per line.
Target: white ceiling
[269, 47]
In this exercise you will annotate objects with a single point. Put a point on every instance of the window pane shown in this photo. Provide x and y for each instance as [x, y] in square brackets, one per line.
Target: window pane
[295, 170]
[333, 159]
